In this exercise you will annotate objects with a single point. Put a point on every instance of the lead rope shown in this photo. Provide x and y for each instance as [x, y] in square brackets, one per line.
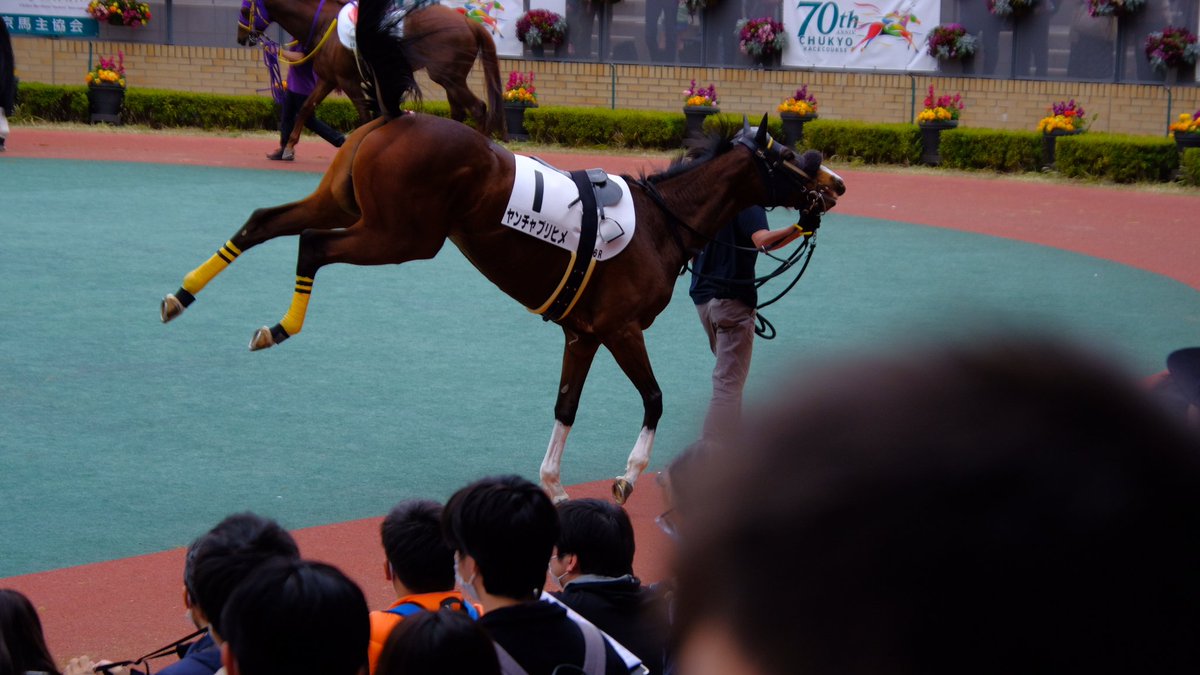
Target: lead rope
[763, 327]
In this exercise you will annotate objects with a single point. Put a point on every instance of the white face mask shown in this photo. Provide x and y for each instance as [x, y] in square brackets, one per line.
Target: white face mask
[468, 590]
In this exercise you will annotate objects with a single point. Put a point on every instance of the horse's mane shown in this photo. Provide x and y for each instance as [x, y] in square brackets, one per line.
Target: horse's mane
[698, 150]
[379, 42]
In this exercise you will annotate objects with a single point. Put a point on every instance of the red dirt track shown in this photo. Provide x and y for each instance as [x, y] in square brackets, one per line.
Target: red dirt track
[123, 608]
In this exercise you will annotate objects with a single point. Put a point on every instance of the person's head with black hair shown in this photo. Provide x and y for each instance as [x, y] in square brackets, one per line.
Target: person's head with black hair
[295, 617]
[595, 538]
[502, 530]
[418, 559]
[22, 643]
[438, 643]
[1015, 505]
[221, 558]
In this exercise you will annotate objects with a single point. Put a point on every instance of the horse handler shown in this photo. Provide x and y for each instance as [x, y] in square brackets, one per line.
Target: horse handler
[301, 81]
[726, 298]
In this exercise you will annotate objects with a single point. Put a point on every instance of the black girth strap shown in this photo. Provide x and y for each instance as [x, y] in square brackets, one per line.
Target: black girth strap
[582, 261]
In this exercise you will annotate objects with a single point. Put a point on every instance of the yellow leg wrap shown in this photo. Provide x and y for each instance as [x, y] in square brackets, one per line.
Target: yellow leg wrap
[293, 321]
[198, 278]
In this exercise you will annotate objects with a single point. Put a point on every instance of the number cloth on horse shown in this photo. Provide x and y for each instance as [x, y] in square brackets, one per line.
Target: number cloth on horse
[544, 204]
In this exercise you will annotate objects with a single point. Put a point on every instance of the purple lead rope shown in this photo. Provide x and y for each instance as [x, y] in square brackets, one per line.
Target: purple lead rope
[271, 60]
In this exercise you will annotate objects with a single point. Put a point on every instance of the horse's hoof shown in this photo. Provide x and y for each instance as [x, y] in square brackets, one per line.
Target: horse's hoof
[621, 489]
[560, 498]
[170, 308]
[262, 339]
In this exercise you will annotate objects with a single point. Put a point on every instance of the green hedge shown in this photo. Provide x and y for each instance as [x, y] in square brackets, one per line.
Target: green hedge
[603, 127]
[1189, 167]
[159, 109]
[871, 143]
[994, 149]
[1115, 157]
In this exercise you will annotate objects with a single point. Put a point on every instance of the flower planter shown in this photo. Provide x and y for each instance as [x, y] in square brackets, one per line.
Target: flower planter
[931, 140]
[514, 117]
[695, 115]
[1183, 141]
[105, 102]
[793, 127]
[1048, 144]
[770, 61]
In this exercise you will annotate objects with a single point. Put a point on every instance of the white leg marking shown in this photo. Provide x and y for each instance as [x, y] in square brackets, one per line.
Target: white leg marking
[552, 464]
[640, 457]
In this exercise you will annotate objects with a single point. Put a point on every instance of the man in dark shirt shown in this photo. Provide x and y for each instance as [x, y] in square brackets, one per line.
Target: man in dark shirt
[593, 563]
[725, 296]
[502, 531]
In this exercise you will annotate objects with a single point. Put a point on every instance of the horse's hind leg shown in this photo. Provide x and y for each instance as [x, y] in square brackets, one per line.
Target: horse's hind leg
[577, 360]
[629, 350]
[462, 101]
[357, 245]
[319, 210]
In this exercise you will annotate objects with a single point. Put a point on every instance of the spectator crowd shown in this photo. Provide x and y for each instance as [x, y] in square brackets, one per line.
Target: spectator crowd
[1008, 506]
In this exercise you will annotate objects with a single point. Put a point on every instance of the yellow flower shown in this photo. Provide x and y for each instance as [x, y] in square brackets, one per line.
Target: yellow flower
[798, 107]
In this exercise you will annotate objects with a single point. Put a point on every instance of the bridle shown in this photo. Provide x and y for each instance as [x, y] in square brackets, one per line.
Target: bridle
[771, 161]
[257, 20]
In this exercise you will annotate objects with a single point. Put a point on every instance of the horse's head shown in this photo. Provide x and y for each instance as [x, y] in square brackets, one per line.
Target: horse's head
[252, 21]
[799, 182]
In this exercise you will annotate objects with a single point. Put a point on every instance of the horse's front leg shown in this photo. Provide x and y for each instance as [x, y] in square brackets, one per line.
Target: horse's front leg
[577, 360]
[629, 350]
[318, 210]
[308, 110]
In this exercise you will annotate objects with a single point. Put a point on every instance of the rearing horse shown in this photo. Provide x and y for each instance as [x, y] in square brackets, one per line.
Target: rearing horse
[438, 39]
[404, 184]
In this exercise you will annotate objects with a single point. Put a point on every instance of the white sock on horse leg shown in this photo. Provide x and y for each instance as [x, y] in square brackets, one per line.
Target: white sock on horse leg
[551, 470]
[640, 457]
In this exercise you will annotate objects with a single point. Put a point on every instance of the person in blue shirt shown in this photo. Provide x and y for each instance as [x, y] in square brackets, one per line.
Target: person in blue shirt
[725, 296]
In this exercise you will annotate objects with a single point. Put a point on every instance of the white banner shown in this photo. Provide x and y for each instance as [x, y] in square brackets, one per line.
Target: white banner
[889, 34]
[500, 18]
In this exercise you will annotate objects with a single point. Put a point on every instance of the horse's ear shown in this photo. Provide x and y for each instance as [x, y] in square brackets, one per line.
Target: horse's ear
[745, 125]
[761, 139]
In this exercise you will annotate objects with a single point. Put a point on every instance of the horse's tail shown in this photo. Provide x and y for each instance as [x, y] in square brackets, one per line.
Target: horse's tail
[378, 34]
[491, 76]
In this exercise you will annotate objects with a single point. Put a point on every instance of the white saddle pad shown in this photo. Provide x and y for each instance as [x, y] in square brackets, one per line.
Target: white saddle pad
[541, 206]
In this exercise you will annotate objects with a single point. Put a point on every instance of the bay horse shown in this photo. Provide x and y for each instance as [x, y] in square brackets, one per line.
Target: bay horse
[438, 39]
[404, 184]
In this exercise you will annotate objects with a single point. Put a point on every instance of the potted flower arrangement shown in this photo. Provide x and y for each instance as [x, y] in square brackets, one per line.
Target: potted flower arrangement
[940, 113]
[1187, 131]
[762, 39]
[1114, 7]
[1010, 7]
[120, 12]
[106, 89]
[1173, 47]
[1065, 118]
[801, 107]
[519, 94]
[541, 28]
[699, 103]
[951, 42]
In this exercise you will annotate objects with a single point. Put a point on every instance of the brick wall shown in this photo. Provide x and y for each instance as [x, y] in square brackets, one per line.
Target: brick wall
[1000, 104]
